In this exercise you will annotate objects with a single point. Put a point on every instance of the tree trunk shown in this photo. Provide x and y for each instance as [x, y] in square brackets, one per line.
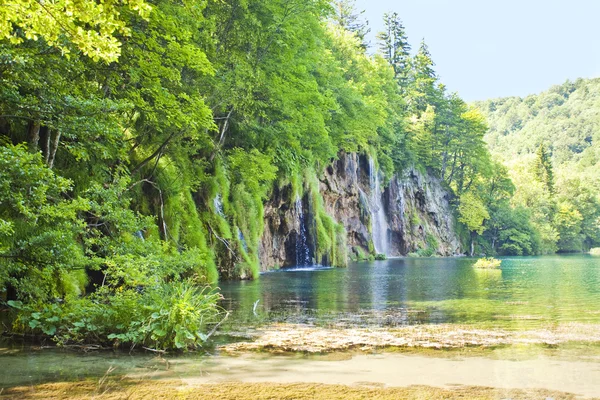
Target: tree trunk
[34, 136]
[45, 138]
[55, 143]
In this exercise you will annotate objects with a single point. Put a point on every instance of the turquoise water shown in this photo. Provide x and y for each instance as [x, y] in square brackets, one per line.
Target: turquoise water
[527, 292]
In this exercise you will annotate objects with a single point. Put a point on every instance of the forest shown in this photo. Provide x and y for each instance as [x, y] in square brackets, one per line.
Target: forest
[549, 143]
[139, 140]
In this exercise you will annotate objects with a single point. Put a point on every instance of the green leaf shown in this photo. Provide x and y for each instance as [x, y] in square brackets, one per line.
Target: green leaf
[15, 304]
[50, 330]
[159, 332]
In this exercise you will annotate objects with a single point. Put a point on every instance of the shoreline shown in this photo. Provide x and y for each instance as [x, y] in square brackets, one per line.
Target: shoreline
[383, 376]
[282, 338]
[241, 391]
[307, 362]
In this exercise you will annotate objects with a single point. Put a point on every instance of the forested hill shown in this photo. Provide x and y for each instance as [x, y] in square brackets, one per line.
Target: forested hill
[551, 145]
[566, 119]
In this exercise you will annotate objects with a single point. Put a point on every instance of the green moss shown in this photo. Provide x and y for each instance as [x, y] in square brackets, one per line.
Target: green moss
[431, 246]
[330, 237]
[249, 219]
[358, 254]
[432, 241]
[170, 196]
[414, 218]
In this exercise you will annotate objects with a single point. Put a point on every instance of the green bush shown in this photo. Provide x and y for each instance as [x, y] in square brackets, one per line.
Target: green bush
[166, 316]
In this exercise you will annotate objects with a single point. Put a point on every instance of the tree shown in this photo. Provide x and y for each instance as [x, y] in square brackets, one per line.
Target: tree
[510, 232]
[543, 168]
[580, 196]
[473, 213]
[347, 17]
[423, 89]
[40, 252]
[421, 130]
[568, 223]
[394, 47]
[459, 145]
[91, 26]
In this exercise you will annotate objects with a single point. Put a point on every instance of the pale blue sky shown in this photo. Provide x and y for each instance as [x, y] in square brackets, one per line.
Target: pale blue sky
[485, 49]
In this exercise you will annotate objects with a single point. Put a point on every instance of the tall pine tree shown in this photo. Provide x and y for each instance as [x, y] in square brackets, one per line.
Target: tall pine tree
[394, 46]
[543, 168]
[423, 89]
[350, 19]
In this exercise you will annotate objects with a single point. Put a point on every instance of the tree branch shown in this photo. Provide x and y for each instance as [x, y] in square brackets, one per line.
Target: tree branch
[156, 153]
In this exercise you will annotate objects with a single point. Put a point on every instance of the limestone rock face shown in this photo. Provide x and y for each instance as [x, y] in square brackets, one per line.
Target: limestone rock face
[278, 244]
[417, 207]
[345, 190]
[420, 216]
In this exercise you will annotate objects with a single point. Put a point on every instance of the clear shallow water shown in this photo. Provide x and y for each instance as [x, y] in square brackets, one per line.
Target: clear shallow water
[527, 292]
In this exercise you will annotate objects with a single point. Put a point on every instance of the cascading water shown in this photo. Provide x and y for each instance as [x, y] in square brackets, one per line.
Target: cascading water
[302, 251]
[242, 239]
[379, 225]
[218, 204]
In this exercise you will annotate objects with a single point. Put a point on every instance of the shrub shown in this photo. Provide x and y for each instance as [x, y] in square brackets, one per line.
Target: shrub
[595, 251]
[166, 316]
[488, 263]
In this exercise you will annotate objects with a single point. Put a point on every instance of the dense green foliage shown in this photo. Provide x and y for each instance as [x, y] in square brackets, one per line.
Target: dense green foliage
[550, 143]
[90, 26]
[123, 178]
[167, 316]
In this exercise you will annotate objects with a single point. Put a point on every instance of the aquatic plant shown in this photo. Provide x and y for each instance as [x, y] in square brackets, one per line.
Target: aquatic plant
[487, 263]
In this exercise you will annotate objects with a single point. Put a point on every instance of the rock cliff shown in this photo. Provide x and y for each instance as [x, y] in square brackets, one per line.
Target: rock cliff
[420, 217]
[416, 206]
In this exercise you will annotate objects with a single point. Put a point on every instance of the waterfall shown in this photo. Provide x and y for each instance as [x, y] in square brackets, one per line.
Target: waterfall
[218, 204]
[379, 225]
[242, 239]
[302, 251]
[140, 235]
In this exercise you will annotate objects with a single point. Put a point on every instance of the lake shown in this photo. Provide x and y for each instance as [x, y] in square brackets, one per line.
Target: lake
[527, 292]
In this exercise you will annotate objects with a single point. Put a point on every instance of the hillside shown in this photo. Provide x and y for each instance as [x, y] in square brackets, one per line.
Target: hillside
[566, 119]
[562, 124]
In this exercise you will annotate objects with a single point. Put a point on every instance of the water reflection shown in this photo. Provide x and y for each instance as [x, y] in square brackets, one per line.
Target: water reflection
[533, 291]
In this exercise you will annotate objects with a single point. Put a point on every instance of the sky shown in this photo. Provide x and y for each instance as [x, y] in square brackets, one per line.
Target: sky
[495, 48]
